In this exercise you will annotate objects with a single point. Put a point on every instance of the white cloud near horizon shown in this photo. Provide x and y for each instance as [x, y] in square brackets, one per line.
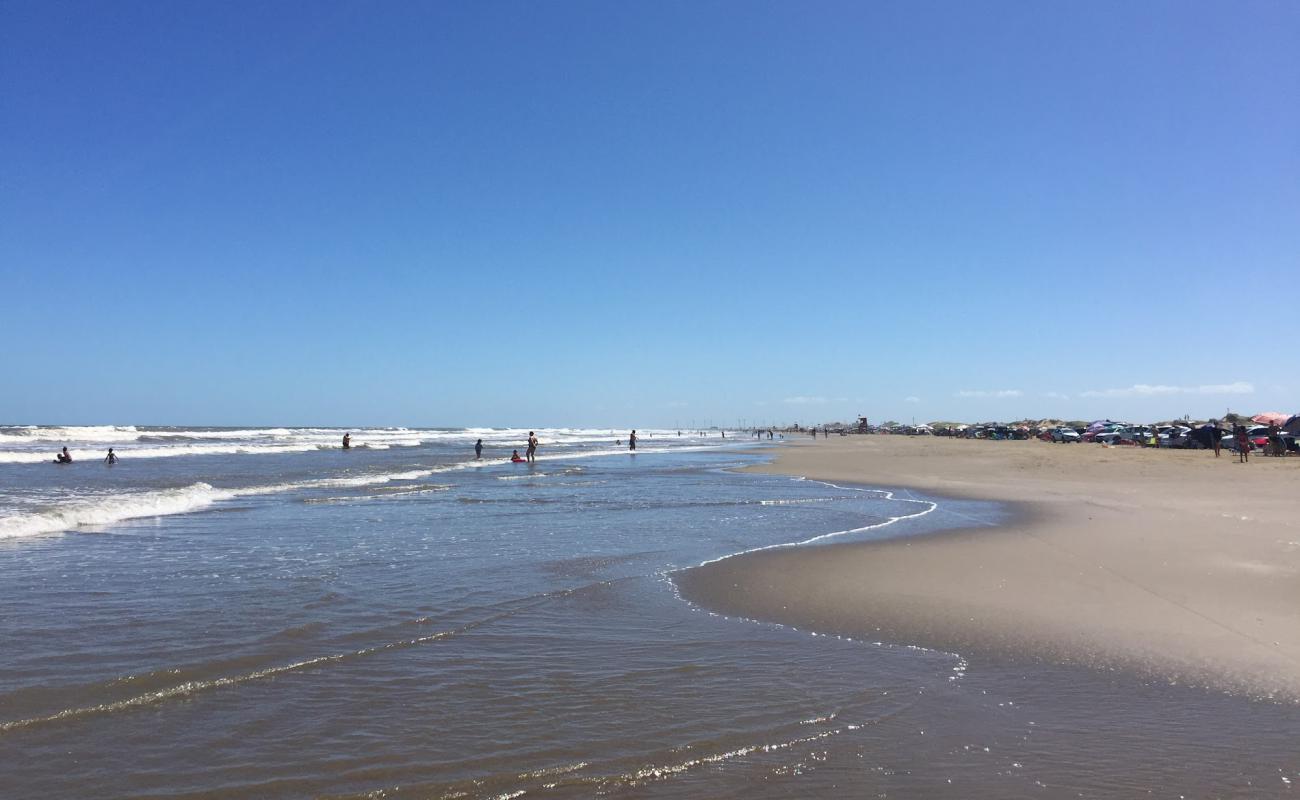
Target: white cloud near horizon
[1146, 390]
[1056, 395]
[911, 399]
[989, 393]
[813, 400]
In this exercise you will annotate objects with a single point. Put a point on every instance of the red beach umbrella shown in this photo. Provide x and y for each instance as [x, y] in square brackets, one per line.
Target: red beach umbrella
[1270, 418]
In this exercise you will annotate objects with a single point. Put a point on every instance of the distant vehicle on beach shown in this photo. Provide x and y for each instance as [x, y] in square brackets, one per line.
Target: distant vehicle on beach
[1122, 436]
[1178, 437]
[1065, 435]
[1256, 439]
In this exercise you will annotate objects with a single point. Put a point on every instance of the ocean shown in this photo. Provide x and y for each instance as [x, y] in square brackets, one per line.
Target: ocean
[258, 613]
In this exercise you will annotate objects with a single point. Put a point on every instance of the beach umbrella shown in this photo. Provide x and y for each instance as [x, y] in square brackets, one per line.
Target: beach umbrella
[1270, 418]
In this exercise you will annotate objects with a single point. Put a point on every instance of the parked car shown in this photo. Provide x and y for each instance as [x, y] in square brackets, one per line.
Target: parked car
[1064, 435]
[1125, 436]
[1138, 434]
[1179, 438]
[1094, 433]
[1256, 437]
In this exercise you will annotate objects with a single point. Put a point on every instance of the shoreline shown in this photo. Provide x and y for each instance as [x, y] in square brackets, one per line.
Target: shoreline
[1160, 563]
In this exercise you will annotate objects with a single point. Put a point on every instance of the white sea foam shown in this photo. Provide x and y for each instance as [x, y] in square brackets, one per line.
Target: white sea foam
[85, 512]
[36, 457]
[99, 510]
[930, 506]
[29, 444]
[58, 433]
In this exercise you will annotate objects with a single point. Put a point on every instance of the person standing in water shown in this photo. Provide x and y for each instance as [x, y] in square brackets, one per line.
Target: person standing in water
[347, 441]
[531, 452]
[64, 457]
[111, 458]
[478, 449]
[631, 440]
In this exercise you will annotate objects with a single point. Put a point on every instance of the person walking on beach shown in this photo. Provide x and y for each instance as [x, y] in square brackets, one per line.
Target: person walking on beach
[347, 441]
[478, 449]
[631, 440]
[1243, 444]
[531, 452]
[1216, 437]
[111, 458]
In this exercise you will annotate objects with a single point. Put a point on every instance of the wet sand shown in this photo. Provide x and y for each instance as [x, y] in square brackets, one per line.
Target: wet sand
[1174, 565]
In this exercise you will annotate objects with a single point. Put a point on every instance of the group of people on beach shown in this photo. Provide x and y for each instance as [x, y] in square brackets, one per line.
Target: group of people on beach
[64, 457]
[1241, 437]
[1275, 444]
[530, 450]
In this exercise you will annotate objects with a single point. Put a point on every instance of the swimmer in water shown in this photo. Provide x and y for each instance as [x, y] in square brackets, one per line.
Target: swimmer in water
[478, 449]
[515, 457]
[631, 441]
[111, 458]
[347, 441]
[64, 457]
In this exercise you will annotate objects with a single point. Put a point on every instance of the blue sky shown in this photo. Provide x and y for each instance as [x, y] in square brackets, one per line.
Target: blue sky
[646, 213]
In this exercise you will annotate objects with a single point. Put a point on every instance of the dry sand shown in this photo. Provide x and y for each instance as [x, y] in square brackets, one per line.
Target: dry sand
[1172, 564]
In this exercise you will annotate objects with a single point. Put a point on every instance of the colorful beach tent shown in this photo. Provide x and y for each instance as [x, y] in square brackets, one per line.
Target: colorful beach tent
[1270, 418]
[1204, 435]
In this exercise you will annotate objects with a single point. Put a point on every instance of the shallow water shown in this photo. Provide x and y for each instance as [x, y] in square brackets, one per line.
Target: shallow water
[392, 622]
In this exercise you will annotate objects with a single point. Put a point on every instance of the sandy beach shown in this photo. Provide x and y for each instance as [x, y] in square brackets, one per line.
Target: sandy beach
[1174, 565]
